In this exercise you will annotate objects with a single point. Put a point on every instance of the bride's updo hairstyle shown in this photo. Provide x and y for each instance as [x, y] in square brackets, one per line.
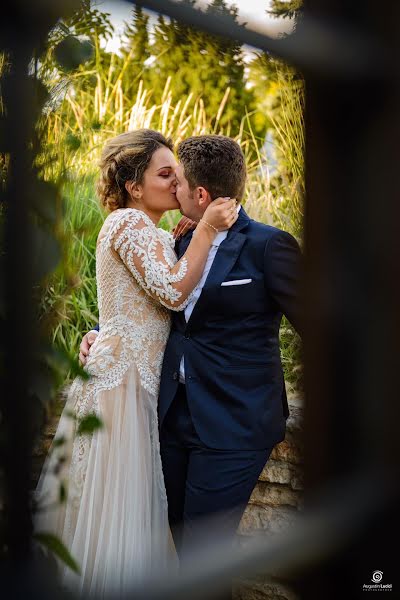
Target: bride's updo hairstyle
[126, 158]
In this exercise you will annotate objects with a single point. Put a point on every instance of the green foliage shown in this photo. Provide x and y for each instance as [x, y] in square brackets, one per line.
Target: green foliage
[279, 89]
[203, 65]
[135, 51]
[39, 226]
[89, 425]
[52, 543]
[279, 94]
[88, 20]
[71, 52]
[181, 82]
[287, 9]
[291, 356]
[78, 36]
[287, 119]
[69, 304]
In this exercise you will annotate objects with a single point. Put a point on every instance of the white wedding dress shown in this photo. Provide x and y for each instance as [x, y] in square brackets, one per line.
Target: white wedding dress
[115, 521]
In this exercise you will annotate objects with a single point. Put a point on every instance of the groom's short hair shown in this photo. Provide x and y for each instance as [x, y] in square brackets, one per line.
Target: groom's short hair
[215, 162]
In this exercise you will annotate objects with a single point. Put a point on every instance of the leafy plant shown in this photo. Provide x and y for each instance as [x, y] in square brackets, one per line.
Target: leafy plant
[56, 546]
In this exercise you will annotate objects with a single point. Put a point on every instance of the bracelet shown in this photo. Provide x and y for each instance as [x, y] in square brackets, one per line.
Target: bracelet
[209, 224]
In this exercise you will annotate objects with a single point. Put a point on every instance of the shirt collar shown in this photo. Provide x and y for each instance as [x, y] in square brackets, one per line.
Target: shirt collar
[221, 235]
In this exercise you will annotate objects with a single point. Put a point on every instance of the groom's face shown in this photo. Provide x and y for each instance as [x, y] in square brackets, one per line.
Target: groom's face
[186, 197]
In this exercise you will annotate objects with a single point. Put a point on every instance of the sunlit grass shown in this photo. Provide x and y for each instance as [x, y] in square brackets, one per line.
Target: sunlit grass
[75, 134]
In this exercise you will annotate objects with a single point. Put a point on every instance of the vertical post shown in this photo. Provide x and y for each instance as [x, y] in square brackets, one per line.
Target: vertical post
[19, 307]
[352, 247]
[22, 29]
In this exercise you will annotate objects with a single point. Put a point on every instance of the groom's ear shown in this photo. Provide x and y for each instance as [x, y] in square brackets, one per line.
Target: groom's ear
[203, 197]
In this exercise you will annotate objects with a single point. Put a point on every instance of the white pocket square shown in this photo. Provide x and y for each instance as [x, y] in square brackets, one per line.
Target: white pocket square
[236, 282]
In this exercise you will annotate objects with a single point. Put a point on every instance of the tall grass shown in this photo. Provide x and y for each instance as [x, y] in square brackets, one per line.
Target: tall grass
[288, 134]
[70, 299]
[74, 134]
[288, 191]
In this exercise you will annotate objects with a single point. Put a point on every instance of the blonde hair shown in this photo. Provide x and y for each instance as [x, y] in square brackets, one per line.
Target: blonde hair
[126, 158]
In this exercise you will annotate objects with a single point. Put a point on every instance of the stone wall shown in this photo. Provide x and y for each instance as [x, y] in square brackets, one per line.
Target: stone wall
[274, 504]
[43, 444]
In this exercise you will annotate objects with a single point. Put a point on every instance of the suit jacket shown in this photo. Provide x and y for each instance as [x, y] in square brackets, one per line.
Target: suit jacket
[234, 379]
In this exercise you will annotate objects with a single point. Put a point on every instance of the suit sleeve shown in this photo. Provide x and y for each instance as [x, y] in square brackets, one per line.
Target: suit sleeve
[282, 271]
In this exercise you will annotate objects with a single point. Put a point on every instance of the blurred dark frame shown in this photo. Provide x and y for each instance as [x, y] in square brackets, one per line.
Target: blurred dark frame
[348, 53]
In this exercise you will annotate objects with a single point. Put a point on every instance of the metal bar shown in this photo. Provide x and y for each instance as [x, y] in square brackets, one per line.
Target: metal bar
[23, 27]
[352, 295]
[18, 322]
[352, 298]
[317, 45]
[315, 539]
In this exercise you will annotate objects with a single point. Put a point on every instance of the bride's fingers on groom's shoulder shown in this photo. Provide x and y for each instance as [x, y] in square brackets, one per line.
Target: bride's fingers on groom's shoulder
[188, 225]
[181, 225]
[184, 225]
[177, 230]
[180, 232]
[176, 234]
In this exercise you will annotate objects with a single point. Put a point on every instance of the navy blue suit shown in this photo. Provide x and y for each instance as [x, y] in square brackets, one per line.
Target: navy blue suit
[217, 430]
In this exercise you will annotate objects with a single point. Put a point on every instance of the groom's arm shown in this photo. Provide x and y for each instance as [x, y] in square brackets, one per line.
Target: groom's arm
[282, 271]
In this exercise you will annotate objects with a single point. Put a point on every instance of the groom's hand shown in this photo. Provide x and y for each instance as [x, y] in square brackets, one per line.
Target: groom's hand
[84, 348]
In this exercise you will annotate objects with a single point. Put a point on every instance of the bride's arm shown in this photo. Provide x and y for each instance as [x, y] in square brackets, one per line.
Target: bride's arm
[148, 257]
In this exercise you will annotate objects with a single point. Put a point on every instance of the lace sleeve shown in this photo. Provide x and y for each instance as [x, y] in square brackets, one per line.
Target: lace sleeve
[169, 238]
[148, 255]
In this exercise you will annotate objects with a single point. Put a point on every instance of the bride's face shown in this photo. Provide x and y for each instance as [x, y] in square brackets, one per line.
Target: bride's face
[158, 190]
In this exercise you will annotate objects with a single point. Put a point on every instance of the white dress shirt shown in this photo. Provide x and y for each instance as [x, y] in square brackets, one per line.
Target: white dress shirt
[219, 238]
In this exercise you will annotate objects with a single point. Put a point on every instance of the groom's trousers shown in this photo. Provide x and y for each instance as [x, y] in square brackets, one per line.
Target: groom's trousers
[207, 489]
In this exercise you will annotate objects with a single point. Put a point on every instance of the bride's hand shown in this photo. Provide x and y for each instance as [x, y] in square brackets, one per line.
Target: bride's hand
[184, 225]
[221, 213]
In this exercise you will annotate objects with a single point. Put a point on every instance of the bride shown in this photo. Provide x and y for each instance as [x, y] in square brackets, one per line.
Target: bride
[114, 521]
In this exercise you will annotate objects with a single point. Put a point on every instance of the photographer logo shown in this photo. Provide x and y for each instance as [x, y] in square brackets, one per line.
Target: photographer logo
[377, 585]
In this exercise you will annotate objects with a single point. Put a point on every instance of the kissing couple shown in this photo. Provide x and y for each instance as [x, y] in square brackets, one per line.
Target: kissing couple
[185, 370]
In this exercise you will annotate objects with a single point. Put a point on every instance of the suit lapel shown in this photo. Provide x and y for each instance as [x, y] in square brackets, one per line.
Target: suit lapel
[224, 260]
[182, 244]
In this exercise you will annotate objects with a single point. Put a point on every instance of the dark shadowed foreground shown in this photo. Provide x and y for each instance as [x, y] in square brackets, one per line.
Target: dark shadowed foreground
[349, 56]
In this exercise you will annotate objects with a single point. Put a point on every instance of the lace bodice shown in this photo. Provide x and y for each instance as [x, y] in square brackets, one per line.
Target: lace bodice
[135, 289]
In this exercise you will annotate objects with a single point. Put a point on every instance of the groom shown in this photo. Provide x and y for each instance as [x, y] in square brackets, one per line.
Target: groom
[222, 403]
